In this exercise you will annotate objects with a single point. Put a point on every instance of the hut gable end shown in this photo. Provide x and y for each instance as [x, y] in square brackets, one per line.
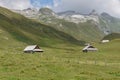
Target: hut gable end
[32, 48]
[89, 48]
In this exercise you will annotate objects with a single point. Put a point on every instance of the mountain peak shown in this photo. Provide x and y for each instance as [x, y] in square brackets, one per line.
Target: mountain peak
[27, 9]
[46, 11]
[105, 14]
[30, 9]
[93, 12]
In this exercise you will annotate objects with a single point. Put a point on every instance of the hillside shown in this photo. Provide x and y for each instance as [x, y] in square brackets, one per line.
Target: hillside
[74, 24]
[112, 36]
[65, 63]
[91, 27]
[16, 29]
[112, 23]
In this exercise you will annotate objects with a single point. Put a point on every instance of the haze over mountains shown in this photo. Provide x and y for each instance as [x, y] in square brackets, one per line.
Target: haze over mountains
[86, 27]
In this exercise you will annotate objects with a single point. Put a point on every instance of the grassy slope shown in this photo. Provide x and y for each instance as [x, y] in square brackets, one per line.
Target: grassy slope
[16, 28]
[112, 36]
[84, 31]
[112, 22]
[87, 31]
[65, 63]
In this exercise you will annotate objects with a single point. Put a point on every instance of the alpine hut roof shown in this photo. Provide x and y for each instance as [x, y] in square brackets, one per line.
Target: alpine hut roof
[90, 48]
[33, 48]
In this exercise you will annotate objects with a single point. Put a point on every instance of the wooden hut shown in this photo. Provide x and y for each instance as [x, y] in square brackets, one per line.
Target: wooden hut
[105, 41]
[32, 49]
[89, 48]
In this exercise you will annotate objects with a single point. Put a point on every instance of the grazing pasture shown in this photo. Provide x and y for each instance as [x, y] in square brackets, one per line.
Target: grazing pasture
[61, 62]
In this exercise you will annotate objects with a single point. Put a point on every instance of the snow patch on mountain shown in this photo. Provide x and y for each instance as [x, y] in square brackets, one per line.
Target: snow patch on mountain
[80, 18]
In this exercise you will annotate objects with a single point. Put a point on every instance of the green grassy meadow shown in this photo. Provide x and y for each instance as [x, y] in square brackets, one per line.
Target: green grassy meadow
[62, 62]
